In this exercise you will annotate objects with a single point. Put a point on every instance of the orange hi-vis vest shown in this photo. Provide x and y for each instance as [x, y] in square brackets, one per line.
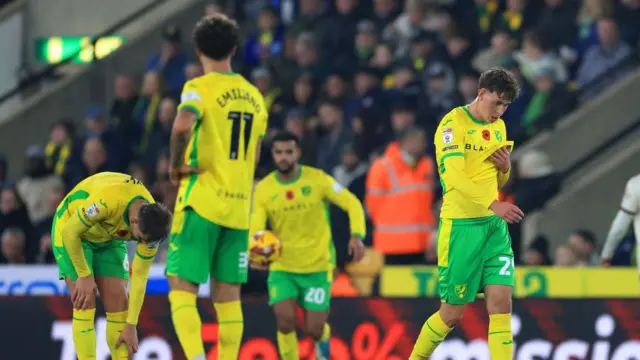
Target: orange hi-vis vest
[399, 200]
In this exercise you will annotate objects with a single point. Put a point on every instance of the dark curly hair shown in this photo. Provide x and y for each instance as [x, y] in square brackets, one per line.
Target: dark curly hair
[501, 81]
[154, 221]
[216, 36]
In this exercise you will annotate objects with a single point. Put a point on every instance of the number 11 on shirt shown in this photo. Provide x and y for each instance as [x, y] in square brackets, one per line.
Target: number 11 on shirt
[237, 118]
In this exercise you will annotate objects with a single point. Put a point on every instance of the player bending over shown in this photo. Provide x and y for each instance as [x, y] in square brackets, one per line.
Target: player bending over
[89, 234]
[293, 199]
[628, 213]
[214, 149]
[474, 246]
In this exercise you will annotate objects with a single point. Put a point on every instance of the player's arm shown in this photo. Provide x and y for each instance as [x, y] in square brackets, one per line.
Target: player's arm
[258, 212]
[344, 199]
[86, 215]
[140, 268]
[190, 111]
[621, 223]
[449, 141]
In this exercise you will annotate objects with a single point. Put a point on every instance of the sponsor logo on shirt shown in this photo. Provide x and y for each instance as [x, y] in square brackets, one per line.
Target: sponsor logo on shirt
[190, 96]
[452, 147]
[447, 135]
[92, 210]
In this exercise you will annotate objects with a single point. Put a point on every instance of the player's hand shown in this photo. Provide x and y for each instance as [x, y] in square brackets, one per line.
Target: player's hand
[509, 212]
[356, 248]
[83, 292]
[129, 338]
[259, 267]
[605, 262]
[502, 159]
[176, 174]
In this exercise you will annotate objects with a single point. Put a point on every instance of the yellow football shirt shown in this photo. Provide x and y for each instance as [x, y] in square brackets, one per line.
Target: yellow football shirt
[232, 118]
[470, 181]
[297, 213]
[97, 210]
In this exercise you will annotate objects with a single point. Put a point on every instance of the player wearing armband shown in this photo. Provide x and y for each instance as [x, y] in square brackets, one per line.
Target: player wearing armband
[89, 233]
[215, 145]
[293, 199]
[474, 246]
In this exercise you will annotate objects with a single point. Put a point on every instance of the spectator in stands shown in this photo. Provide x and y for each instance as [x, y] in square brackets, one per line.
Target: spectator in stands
[516, 109]
[590, 12]
[13, 246]
[309, 17]
[308, 58]
[519, 16]
[335, 135]
[158, 138]
[399, 199]
[538, 253]
[558, 22]
[565, 256]
[627, 13]
[424, 50]
[382, 60]
[193, 70]
[96, 126]
[303, 93]
[146, 108]
[164, 191]
[336, 89]
[365, 42]
[384, 12]
[13, 214]
[599, 59]
[60, 149]
[351, 172]
[536, 181]
[284, 66]
[42, 229]
[339, 31]
[266, 41]
[296, 124]
[272, 94]
[441, 91]
[535, 54]
[502, 46]
[37, 182]
[403, 117]
[125, 100]
[550, 101]
[583, 242]
[459, 52]
[402, 30]
[171, 61]
[94, 160]
[468, 86]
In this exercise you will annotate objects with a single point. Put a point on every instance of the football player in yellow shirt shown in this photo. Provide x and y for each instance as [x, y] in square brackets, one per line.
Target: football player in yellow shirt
[293, 199]
[89, 234]
[215, 145]
[474, 246]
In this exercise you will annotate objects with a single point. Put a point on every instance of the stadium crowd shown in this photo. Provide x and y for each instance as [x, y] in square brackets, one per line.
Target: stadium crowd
[350, 78]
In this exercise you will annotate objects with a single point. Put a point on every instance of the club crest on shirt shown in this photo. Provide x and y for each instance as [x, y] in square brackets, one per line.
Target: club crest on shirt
[92, 210]
[447, 135]
[497, 135]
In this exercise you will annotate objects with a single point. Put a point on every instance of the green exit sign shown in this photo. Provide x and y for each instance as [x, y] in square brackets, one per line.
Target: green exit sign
[55, 49]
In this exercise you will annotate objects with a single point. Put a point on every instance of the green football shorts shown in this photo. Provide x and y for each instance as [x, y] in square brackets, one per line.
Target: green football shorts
[473, 253]
[311, 290]
[107, 259]
[201, 247]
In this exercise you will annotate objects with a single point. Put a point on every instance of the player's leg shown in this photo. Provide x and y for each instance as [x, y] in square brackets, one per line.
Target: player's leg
[459, 267]
[111, 269]
[188, 260]
[498, 280]
[82, 325]
[315, 298]
[283, 294]
[229, 270]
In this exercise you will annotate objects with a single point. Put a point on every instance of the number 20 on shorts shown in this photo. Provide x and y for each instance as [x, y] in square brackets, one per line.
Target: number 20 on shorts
[508, 263]
[315, 296]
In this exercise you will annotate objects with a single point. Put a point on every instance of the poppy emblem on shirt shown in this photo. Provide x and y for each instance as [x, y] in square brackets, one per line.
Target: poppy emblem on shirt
[486, 135]
[122, 233]
[289, 195]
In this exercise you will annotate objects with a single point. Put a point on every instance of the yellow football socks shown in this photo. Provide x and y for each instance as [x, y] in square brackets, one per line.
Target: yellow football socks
[326, 333]
[115, 324]
[186, 321]
[433, 332]
[231, 325]
[288, 346]
[84, 334]
[500, 337]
